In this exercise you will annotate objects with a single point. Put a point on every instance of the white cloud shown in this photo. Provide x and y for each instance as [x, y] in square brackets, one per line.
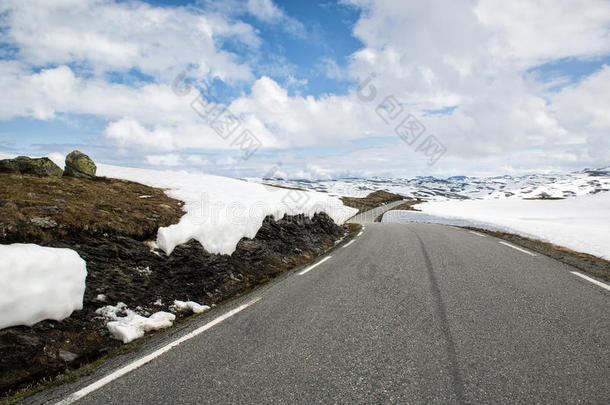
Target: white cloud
[548, 29]
[583, 110]
[267, 11]
[164, 160]
[198, 160]
[474, 55]
[264, 10]
[331, 69]
[109, 36]
[471, 56]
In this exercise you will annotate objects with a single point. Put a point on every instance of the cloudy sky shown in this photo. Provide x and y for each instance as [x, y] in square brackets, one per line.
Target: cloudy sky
[310, 89]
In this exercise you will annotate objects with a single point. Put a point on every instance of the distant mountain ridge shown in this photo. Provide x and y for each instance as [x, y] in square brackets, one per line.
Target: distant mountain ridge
[531, 186]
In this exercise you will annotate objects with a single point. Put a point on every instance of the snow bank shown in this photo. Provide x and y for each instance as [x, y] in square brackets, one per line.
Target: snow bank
[38, 283]
[581, 223]
[220, 210]
[190, 306]
[126, 325]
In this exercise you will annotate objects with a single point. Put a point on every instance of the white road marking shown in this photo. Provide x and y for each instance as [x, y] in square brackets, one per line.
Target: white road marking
[477, 233]
[359, 233]
[314, 266]
[599, 283]
[146, 359]
[349, 243]
[517, 248]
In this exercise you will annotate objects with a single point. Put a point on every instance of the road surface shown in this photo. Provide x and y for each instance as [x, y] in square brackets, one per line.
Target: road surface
[368, 217]
[406, 313]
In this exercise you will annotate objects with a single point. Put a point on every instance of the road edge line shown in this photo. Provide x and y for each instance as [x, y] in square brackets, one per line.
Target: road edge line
[308, 269]
[592, 280]
[517, 248]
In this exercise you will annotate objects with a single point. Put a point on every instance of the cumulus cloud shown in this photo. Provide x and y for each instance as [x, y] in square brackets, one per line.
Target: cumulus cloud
[171, 159]
[460, 66]
[265, 10]
[473, 57]
[107, 36]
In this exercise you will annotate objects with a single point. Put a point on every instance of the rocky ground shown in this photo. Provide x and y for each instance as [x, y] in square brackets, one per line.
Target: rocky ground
[372, 200]
[108, 221]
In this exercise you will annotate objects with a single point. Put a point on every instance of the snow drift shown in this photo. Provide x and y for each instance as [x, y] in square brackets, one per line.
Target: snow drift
[189, 306]
[579, 223]
[38, 283]
[126, 325]
[220, 210]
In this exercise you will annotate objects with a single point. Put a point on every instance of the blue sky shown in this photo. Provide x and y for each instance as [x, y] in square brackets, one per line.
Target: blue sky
[97, 75]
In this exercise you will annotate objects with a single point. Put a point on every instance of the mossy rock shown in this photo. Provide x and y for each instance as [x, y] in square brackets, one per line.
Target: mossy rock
[43, 167]
[80, 165]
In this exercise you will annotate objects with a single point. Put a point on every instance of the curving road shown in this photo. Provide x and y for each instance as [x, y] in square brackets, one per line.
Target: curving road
[406, 313]
[369, 217]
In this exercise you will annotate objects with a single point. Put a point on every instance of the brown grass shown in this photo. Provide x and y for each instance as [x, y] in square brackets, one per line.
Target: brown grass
[373, 200]
[407, 206]
[590, 264]
[73, 205]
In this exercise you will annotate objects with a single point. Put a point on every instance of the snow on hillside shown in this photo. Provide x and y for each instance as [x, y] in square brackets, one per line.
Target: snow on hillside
[581, 224]
[220, 210]
[563, 185]
[39, 283]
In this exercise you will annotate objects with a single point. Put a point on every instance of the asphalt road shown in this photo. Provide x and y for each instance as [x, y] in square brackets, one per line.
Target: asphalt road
[368, 217]
[407, 313]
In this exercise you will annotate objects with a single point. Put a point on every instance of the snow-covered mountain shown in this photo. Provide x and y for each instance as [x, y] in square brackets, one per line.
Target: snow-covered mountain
[533, 186]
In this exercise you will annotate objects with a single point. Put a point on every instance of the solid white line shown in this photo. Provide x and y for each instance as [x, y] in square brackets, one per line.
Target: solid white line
[146, 359]
[349, 243]
[359, 233]
[314, 266]
[517, 248]
[477, 233]
[599, 283]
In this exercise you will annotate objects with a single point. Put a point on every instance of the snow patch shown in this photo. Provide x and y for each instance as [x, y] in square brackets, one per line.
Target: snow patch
[220, 211]
[189, 306]
[579, 223]
[126, 325]
[38, 283]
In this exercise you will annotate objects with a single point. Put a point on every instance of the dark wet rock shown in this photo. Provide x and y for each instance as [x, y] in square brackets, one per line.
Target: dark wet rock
[67, 356]
[25, 165]
[126, 270]
[80, 165]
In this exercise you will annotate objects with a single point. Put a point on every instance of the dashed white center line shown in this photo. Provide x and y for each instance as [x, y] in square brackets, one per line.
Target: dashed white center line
[478, 234]
[146, 359]
[599, 283]
[517, 248]
[349, 243]
[313, 266]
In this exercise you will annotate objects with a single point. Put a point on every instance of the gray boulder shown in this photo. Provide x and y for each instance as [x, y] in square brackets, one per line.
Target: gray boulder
[80, 165]
[25, 165]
